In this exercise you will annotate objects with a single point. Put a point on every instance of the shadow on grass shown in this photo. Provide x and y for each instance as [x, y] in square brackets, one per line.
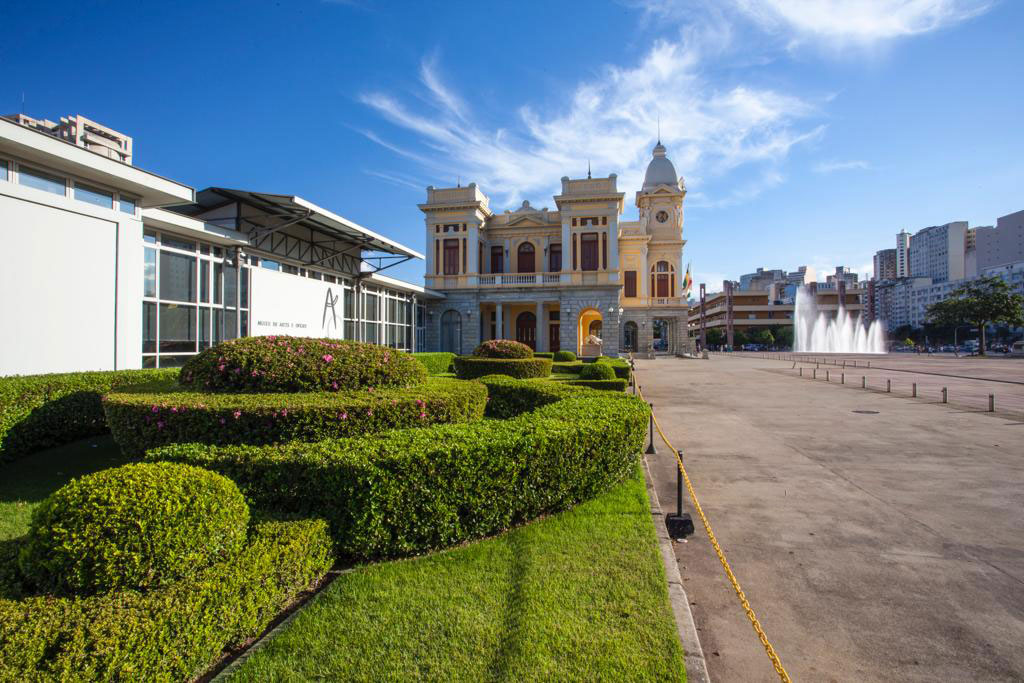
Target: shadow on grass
[35, 476]
[511, 647]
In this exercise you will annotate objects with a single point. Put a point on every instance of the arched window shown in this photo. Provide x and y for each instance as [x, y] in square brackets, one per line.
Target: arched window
[525, 262]
[663, 279]
[451, 332]
[630, 335]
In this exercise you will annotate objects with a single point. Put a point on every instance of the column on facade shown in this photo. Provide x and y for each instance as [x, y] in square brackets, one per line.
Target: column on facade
[541, 342]
[499, 321]
[431, 267]
[566, 250]
[613, 249]
[473, 245]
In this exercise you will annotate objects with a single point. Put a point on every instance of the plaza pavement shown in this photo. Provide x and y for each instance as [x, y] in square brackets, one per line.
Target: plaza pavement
[873, 547]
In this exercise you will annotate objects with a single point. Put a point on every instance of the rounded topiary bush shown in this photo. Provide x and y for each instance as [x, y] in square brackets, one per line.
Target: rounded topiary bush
[298, 364]
[502, 348]
[136, 526]
[597, 371]
[564, 356]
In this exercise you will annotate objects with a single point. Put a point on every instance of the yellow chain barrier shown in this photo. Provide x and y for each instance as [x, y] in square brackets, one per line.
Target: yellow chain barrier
[772, 655]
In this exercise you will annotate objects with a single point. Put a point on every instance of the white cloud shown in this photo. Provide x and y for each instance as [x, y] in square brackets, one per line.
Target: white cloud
[861, 22]
[610, 120]
[832, 166]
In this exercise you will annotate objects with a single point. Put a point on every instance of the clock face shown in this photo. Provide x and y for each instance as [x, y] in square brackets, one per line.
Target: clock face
[661, 216]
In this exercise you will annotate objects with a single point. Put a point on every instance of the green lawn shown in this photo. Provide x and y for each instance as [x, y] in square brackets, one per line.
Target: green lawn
[25, 482]
[576, 596]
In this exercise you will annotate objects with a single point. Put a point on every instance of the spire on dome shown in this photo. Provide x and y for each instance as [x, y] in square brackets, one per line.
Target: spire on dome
[660, 171]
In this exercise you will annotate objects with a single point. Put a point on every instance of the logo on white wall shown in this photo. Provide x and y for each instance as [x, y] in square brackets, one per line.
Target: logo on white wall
[329, 304]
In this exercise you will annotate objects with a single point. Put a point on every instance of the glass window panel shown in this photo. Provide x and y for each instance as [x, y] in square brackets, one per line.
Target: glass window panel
[149, 236]
[149, 361]
[245, 288]
[148, 327]
[204, 249]
[177, 328]
[149, 273]
[3, 170]
[218, 326]
[128, 205]
[175, 243]
[204, 281]
[204, 328]
[350, 329]
[93, 195]
[270, 265]
[230, 285]
[218, 282]
[173, 361]
[370, 332]
[41, 180]
[229, 325]
[177, 277]
[245, 323]
[349, 306]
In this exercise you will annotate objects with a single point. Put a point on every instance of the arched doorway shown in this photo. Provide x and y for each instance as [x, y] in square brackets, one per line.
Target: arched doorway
[630, 335]
[525, 262]
[589, 323]
[662, 334]
[451, 332]
[526, 329]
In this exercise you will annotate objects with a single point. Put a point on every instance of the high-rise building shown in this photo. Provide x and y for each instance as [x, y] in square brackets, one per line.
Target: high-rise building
[761, 279]
[903, 254]
[83, 132]
[885, 264]
[938, 252]
[1002, 244]
[842, 274]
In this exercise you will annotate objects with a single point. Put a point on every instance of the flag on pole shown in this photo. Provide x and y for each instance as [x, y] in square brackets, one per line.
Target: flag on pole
[687, 281]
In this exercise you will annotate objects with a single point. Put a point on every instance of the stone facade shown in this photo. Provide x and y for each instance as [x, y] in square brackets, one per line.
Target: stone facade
[555, 279]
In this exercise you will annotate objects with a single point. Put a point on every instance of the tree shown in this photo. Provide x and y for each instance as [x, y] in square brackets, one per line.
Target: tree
[739, 338]
[980, 303]
[764, 337]
[715, 337]
[784, 336]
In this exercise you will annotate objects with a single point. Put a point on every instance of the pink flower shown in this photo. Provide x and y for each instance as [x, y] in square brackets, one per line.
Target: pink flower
[369, 413]
[328, 358]
[342, 416]
[419, 402]
[255, 373]
[238, 370]
[220, 368]
[237, 414]
[370, 389]
[156, 409]
[334, 385]
[159, 424]
[223, 421]
[284, 412]
[422, 415]
[174, 409]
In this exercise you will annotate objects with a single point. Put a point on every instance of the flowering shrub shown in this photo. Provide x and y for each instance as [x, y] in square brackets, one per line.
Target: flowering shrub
[295, 364]
[137, 526]
[502, 348]
[140, 421]
[411, 490]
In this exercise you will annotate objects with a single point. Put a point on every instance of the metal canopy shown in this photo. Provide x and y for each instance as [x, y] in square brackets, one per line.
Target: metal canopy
[292, 210]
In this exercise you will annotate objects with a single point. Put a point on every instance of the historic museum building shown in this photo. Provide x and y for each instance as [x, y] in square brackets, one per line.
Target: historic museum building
[576, 278]
[111, 267]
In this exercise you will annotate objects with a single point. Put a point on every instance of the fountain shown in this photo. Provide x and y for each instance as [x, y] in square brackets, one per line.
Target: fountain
[816, 331]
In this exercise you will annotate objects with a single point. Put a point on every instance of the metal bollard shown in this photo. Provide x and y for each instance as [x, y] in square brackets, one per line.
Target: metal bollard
[801, 372]
[651, 450]
[945, 395]
[814, 373]
[863, 382]
[913, 390]
[888, 386]
[827, 376]
[869, 364]
[842, 378]
[679, 525]
[991, 403]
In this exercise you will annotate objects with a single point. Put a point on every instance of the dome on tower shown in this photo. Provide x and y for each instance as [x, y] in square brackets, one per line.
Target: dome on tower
[660, 171]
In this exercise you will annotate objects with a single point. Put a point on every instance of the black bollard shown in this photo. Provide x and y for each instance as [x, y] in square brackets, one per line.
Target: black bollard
[679, 525]
[651, 450]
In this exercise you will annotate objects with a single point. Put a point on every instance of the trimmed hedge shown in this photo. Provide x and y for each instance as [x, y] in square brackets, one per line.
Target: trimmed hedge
[502, 348]
[597, 371]
[570, 367]
[564, 356]
[171, 633]
[298, 364]
[436, 363]
[616, 384]
[140, 421]
[42, 411]
[409, 491]
[138, 526]
[543, 354]
[468, 367]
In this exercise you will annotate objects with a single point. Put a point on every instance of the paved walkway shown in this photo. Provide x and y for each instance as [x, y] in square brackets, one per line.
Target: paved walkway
[873, 546]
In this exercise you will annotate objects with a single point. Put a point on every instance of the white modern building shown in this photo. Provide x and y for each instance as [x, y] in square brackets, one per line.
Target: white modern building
[111, 267]
[938, 252]
[1002, 244]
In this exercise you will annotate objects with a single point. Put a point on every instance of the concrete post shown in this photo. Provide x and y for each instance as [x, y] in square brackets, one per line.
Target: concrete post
[828, 377]
[945, 395]
[863, 382]
[842, 378]
[991, 403]
[814, 373]
[913, 390]
[888, 386]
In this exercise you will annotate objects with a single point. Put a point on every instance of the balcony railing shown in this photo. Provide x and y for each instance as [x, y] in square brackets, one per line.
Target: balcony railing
[529, 280]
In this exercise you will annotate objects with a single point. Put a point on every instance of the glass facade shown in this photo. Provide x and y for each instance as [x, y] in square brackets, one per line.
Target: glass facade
[41, 180]
[180, 278]
[93, 195]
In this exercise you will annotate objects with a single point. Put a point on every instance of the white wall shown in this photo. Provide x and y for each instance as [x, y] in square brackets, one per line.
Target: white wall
[57, 288]
[289, 304]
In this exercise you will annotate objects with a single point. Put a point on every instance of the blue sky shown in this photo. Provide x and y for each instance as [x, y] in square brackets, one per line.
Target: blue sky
[808, 132]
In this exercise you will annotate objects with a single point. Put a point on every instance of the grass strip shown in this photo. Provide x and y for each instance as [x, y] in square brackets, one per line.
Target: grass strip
[580, 595]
